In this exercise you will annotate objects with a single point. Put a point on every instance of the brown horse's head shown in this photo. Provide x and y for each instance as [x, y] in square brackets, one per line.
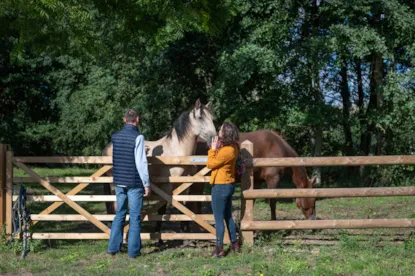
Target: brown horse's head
[308, 205]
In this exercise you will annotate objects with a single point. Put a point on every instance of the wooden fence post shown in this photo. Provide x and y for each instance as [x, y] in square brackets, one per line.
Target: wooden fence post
[9, 192]
[247, 206]
[3, 150]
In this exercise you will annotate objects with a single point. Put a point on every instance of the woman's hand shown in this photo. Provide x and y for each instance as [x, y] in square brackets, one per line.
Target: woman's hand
[214, 144]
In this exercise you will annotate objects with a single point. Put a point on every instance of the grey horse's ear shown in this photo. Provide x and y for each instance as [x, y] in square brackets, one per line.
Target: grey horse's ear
[198, 104]
[209, 105]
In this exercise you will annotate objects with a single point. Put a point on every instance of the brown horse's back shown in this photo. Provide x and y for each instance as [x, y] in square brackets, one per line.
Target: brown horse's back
[269, 144]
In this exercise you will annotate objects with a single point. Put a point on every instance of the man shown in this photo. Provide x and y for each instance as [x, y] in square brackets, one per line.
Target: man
[131, 182]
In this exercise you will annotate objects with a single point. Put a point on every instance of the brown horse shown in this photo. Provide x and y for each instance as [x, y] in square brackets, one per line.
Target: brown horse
[269, 144]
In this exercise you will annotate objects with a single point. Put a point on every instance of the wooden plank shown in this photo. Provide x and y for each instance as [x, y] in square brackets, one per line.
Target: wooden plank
[328, 224]
[197, 160]
[325, 242]
[185, 186]
[331, 192]
[166, 217]
[67, 180]
[247, 183]
[258, 162]
[74, 191]
[107, 198]
[75, 198]
[334, 161]
[105, 160]
[9, 192]
[359, 237]
[187, 212]
[3, 152]
[102, 236]
[98, 180]
[181, 179]
[64, 198]
[203, 198]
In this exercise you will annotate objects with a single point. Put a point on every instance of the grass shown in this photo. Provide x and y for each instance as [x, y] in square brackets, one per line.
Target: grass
[357, 252]
[267, 257]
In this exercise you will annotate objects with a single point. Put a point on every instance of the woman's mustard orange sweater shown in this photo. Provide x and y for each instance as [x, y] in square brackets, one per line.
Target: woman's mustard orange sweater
[223, 163]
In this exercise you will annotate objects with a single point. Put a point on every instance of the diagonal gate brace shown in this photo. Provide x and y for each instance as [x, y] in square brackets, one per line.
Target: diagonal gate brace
[63, 197]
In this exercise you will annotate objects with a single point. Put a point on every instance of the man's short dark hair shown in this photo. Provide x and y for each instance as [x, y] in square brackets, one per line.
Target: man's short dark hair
[131, 116]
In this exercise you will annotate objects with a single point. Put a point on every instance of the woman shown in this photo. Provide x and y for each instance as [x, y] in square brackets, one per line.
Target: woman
[222, 158]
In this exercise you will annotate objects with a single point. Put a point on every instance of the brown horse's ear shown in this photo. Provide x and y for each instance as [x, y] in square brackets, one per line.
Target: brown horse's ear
[209, 106]
[198, 104]
[313, 181]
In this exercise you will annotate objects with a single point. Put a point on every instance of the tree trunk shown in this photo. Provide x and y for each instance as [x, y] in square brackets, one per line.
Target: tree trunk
[345, 93]
[377, 82]
[362, 114]
[315, 90]
[375, 105]
[373, 110]
[361, 106]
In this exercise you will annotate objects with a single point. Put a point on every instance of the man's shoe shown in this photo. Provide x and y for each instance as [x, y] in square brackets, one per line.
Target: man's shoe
[218, 252]
[235, 247]
[112, 254]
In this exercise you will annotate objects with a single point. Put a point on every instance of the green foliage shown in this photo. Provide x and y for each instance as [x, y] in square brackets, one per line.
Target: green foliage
[69, 69]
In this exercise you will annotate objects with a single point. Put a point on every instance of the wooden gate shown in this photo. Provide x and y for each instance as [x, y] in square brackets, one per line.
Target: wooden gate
[72, 197]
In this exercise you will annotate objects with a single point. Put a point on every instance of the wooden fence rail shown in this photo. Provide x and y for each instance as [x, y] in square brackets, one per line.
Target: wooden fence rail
[109, 198]
[111, 217]
[3, 192]
[256, 162]
[328, 224]
[100, 180]
[331, 192]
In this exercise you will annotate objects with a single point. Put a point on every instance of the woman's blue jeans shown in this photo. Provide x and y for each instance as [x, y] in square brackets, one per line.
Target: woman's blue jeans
[133, 197]
[222, 210]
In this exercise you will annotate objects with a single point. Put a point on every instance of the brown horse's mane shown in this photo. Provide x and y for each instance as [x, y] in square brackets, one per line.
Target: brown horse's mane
[283, 141]
[298, 171]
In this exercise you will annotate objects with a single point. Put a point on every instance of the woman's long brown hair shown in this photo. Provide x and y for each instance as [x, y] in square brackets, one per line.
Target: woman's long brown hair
[230, 134]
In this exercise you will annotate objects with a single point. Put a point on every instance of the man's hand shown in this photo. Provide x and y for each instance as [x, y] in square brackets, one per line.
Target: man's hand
[147, 191]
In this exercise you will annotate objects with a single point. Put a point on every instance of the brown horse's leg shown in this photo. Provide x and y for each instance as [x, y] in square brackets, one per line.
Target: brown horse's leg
[272, 178]
[109, 189]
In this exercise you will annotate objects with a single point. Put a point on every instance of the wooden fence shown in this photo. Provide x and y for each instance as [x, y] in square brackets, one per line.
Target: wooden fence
[248, 224]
